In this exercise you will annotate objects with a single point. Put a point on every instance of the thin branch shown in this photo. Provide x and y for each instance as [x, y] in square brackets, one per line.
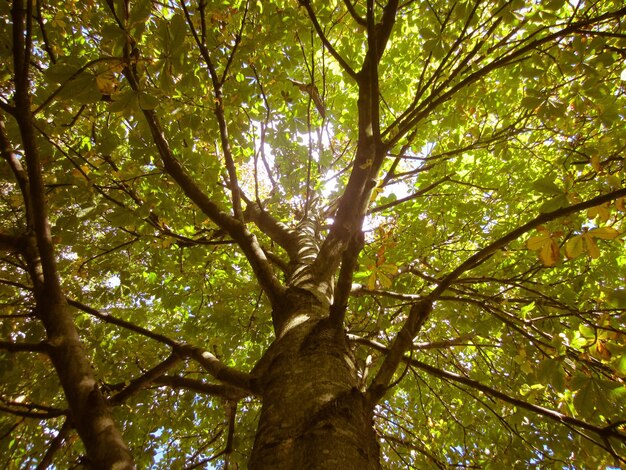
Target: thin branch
[147, 378]
[55, 445]
[358, 18]
[29, 411]
[421, 309]
[123, 323]
[233, 182]
[419, 113]
[12, 347]
[236, 228]
[7, 153]
[208, 361]
[604, 431]
[320, 32]
[231, 413]
[482, 255]
[445, 344]
[71, 78]
[238, 38]
[410, 197]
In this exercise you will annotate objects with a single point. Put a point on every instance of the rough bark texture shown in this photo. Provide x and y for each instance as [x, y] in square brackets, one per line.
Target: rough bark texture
[314, 415]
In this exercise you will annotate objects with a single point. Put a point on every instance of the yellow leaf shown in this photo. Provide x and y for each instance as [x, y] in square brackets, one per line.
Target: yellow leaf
[377, 190]
[620, 204]
[591, 246]
[595, 163]
[605, 233]
[602, 351]
[537, 242]
[574, 247]
[602, 212]
[549, 253]
[389, 268]
[371, 281]
[106, 83]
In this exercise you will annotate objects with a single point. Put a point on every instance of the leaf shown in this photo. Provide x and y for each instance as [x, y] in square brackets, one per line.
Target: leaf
[549, 253]
[595, 163]
[547, 186]
[614, 181]
[537, 242]
[585, 398]
[555, 203]
[602, 352]
[147, 102]
[547, 247]
[371, 281]
[123, 102]
[605, 233]
[590, 246]
[106, 83]
[384, 280]
[574, 246]
[602, 212]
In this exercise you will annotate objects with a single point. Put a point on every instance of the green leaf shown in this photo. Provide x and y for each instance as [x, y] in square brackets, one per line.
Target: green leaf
[547, 186]
[147, 101]
[123, 102]
[555, 203]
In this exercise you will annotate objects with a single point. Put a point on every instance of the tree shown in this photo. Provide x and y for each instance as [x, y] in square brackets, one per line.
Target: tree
[309, 234]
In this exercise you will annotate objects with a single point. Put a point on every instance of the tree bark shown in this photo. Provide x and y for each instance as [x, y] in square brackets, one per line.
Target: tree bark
[314, 416]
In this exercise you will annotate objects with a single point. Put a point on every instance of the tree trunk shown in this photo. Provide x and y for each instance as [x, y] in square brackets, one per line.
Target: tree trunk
[314, 416]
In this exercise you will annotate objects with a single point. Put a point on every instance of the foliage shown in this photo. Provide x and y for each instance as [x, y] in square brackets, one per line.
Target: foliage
[498, 118]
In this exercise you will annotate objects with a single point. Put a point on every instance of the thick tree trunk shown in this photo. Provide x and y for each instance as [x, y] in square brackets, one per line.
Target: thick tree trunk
[314, 416]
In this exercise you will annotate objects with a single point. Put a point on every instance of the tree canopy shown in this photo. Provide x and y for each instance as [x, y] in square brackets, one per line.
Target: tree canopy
[446, 178]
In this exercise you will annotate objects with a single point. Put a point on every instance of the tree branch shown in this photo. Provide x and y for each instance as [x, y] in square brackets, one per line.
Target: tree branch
[415, 116]
[420, 311]
[41, 347]
[237, 230]
[482, 255]
[55, 445]
[207, 360]
[30, 411]
[231, 168]
[11, 243]
[277, 231]
[225, 391]
[358, 18]
[384, 28]
[410, 197]
[219, 370]
[147, 378]
[604, 431]
[318, 29]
